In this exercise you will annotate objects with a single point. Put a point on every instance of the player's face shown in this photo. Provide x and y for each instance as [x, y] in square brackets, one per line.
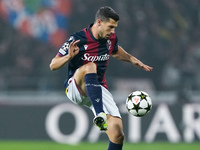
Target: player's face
[106, 29]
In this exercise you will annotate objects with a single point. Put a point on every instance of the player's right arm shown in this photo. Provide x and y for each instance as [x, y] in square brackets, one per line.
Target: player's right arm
[59, 61]
[121, 54]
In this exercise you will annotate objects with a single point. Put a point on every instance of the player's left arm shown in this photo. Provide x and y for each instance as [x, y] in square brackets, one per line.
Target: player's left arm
[121, 54]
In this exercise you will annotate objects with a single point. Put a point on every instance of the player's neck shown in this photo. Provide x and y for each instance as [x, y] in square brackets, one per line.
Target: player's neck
[94, 30]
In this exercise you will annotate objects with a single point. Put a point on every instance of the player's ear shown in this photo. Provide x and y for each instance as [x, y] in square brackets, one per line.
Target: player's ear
[99, 21]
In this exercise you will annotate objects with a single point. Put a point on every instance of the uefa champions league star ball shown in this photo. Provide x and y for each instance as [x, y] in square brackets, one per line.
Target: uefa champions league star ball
[138, 103]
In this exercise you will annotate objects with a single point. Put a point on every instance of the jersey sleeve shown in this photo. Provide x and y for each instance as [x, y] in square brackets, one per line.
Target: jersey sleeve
[64, 49]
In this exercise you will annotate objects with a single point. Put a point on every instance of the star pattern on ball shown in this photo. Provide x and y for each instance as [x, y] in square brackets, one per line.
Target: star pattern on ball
[130, 96]
[137, 107]
[143, 96]
[148, 107]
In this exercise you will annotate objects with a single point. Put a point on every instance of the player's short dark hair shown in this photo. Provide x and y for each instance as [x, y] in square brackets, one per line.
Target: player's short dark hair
[105, 13]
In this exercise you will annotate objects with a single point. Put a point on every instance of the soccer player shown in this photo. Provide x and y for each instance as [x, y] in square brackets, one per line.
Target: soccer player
[87, 53]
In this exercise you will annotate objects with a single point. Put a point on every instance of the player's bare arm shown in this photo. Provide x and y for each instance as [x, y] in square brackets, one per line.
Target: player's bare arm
[124, 56]
[58, 62]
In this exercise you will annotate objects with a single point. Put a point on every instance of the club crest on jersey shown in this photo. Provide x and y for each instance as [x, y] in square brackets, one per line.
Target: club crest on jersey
[108, 44]
[85, 46]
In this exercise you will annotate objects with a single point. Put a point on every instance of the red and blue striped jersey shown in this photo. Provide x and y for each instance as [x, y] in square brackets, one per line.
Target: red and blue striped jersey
[91, 50]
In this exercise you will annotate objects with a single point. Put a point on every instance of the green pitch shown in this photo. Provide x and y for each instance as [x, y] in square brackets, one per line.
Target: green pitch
[39, 145]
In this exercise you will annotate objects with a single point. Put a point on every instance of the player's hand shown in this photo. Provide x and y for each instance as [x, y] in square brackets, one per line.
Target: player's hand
[73, 48]
[139, 64]
[146, 67]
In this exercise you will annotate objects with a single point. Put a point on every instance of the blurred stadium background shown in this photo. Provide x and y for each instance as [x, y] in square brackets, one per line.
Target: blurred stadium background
[162, 33]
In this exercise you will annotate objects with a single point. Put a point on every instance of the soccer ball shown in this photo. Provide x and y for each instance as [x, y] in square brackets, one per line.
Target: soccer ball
[138, 103]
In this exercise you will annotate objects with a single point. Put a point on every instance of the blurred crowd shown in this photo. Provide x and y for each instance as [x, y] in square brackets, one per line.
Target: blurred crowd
[164, 34]
[24, 60]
